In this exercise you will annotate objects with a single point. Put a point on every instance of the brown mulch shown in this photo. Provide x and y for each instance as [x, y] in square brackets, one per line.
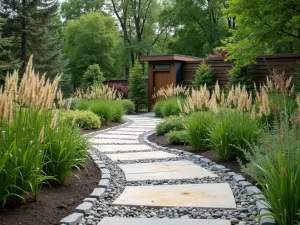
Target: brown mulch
[234, 166]
[55, 202]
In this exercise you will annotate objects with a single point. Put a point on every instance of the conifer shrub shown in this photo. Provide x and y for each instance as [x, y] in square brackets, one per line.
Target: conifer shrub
[177, 137]
[84, 119]
[170, 124]
[241, 75]
[137, 87]
[92, 76]
[204, 75]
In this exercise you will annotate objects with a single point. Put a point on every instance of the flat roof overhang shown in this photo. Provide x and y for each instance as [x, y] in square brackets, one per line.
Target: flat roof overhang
[173, 57]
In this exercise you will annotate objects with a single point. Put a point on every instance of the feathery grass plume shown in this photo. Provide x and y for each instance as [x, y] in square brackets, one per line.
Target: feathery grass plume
[53, 122]
[217, 91]
[213, 105]
[9, 109]
[253, 113]
[41, 135]
[249, 102]
[223, 102]
[3, 102]
[59, 97]
[172, 91]
[69, 104]
[265, 102]
[99, 92]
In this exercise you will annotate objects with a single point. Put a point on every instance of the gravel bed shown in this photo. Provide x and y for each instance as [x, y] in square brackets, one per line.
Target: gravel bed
[245, 213]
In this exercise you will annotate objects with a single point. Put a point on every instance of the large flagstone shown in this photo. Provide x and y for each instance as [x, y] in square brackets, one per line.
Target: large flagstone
[97, 141]
[135, 129]
[161, 171]
[125, 132]
[117, 136]
[140, 155]
[212, 195]
[156, 221]
[115, 148]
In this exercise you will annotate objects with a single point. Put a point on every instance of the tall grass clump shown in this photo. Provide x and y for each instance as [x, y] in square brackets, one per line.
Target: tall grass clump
[275, 165]
[233, 131]
[86, 120]
[170, 124]
[158, 108]
[30, 126]
[177, 137]
[99, 92]
[197, 129]
[170, 107]
[128, 106]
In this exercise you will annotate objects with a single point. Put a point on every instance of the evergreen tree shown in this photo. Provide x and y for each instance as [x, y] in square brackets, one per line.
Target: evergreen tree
[137, 86]
[7, 60]
[241, 75]
[204, 75]
[93, 76]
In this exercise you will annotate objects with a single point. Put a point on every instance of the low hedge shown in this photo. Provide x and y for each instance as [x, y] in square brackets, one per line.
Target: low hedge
[83, 119]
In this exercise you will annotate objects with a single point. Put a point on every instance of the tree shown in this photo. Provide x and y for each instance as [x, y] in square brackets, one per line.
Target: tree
[91, 40]
[8, 61]
[241, 75]
[264, 27]
[32, 25]
[73, 9]
[204, 76]
[93, 76]
[137, 86]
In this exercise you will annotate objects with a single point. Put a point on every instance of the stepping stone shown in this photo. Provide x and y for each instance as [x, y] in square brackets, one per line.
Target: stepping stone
[212, 195]
[150, 221]
[117, 136]
[160, 171]
[134, 129]
[141, 127]
[125, 132]
[140, 155]
[115, 148]
[114, 141]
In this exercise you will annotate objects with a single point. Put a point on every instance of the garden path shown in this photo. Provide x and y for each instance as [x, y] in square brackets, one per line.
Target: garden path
[158, 178]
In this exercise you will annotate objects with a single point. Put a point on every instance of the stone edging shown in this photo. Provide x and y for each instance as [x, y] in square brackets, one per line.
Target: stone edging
[261, 204]
[98, 193]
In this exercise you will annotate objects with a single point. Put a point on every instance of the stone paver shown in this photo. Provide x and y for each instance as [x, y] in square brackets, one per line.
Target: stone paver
[117, 136]
[125, 132]
[160, 171]
[140, 155]
[213, 195]
[134, 129]
[151, 221]
[114, 141]
[115, 148]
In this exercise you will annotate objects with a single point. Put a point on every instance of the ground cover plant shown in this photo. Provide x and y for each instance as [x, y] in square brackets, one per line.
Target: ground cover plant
[35, 145]
[177, 137]
[172, 123]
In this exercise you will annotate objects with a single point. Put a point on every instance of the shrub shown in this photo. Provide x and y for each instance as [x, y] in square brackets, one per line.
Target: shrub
[204, 75]
[92, 76]
[170, 124]
[170, 107]
[197, 129]
[103, 109]
[275, 165]
[232, 132]
[242, 76]
[128, 106]
[83, 119]
[117, 112]
[158, 108]
[82, 105]
[137, 86]
[177, 137]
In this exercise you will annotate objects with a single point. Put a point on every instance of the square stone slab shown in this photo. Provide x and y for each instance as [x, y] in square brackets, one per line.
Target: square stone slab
[160, 171]
[125, 132]
[213, 195]
[117, 136]
[134, 129]
[151, 221]
[114, 141]
[140, 155]
[115, 148]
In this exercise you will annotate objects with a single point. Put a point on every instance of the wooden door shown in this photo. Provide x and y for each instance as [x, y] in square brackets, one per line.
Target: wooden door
[162, 79]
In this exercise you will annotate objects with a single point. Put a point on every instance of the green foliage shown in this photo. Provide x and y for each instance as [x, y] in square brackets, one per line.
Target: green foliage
[91, 40]
[170, 107]
[177, 137]
[197, 128]
[92, 76]
[275, 165]
[170, 124]
[83, 119]
[267, 29]
[137, 86]
[204, 75]
[157, 108]
[242, 76]
[108, 111]
[232, 132]
[297, 81]
[128, 106]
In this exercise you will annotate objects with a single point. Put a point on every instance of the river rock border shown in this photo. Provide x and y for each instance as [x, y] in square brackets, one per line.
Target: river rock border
[261, 203]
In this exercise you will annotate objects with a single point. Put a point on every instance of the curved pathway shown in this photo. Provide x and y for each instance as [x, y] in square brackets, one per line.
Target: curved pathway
[156, 185]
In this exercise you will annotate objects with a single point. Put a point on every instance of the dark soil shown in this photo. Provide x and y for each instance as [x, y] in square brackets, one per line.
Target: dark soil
[55, 202]
[234, 166]
[110, 125]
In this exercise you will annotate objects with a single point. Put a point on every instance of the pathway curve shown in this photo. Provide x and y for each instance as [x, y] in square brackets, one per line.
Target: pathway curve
[156, 185]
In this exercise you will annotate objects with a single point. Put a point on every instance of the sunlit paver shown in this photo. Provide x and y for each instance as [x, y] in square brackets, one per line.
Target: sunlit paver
[115, 148]
[140, 155]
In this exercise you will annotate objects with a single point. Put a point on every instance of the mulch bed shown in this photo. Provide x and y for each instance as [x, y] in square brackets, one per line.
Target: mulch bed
[55, 202]
[234, 166]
